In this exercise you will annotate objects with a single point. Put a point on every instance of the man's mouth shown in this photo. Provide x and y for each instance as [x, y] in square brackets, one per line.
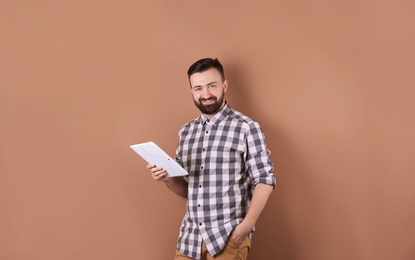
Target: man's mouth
[209, 101]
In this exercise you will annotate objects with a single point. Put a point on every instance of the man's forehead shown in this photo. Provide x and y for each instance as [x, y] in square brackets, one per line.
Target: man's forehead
[205, 77]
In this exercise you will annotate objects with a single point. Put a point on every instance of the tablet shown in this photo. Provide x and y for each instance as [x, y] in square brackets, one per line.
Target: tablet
[153, 154]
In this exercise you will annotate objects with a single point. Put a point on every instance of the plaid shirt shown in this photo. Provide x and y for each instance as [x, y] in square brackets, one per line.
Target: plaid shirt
[226, 156]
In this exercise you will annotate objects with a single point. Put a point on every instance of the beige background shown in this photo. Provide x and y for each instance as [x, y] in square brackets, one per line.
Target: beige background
[331, 83]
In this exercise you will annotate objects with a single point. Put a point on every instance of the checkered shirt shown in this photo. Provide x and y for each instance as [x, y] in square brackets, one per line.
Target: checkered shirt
[226, 156]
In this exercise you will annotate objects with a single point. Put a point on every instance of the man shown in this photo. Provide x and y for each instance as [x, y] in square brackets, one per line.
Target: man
[230, 174]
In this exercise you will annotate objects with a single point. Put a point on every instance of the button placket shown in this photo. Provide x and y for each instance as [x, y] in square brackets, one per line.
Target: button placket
[199, 202]
[207, 128]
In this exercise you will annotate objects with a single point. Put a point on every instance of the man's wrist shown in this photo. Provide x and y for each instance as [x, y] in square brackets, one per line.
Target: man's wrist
[248, 224]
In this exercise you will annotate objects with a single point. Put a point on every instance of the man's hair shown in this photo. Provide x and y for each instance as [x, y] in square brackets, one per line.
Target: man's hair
[205, 64]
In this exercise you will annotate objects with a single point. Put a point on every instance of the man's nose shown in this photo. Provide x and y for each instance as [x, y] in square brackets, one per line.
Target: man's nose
[206, 92]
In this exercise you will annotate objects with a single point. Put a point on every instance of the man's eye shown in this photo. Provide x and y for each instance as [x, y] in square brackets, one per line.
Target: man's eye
[212, 86]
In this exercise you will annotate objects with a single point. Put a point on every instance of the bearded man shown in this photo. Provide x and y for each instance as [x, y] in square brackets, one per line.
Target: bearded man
[230, 173]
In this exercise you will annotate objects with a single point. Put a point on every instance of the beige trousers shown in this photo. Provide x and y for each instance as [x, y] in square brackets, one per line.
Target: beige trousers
[230, 252]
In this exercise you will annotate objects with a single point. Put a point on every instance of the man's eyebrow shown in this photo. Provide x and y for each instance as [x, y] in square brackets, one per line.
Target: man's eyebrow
[213, 82]
[210, 83]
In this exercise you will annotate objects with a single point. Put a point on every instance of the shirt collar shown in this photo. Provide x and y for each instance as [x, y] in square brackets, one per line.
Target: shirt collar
[218, 117]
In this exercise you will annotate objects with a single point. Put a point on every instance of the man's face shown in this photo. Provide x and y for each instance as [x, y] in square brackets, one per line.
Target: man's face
[208, 91]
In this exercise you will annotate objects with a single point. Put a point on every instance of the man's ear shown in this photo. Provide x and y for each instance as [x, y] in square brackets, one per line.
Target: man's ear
[225, 85]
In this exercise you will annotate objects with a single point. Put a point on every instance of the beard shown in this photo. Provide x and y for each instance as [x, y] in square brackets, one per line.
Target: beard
[212, 108]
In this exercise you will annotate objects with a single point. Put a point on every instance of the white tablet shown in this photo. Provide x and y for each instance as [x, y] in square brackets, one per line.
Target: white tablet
[153, 154]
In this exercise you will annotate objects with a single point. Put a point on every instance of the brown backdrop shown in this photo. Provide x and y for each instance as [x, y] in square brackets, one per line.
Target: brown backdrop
[331, 83]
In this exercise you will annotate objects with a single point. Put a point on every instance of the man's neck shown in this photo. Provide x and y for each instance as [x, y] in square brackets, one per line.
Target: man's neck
[212, 115]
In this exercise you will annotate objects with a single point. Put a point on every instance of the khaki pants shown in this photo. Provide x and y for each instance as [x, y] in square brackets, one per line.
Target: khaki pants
[230, 252]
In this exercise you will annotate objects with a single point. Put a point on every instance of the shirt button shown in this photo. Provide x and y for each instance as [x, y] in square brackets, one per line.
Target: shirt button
[200, 224]
[203, 149]
[201, 167]
[198, 205]
[207, 132]
[200, 186]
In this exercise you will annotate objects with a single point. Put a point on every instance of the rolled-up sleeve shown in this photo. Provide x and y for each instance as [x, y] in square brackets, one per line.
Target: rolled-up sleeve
[258, 163]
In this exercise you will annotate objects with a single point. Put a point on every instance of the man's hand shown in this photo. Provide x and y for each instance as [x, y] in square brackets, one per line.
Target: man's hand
[240, 233]
[176, 184]
[158, 173]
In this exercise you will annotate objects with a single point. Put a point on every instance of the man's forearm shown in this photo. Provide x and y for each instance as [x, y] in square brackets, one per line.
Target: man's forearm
[178, 185]
[259, 200]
